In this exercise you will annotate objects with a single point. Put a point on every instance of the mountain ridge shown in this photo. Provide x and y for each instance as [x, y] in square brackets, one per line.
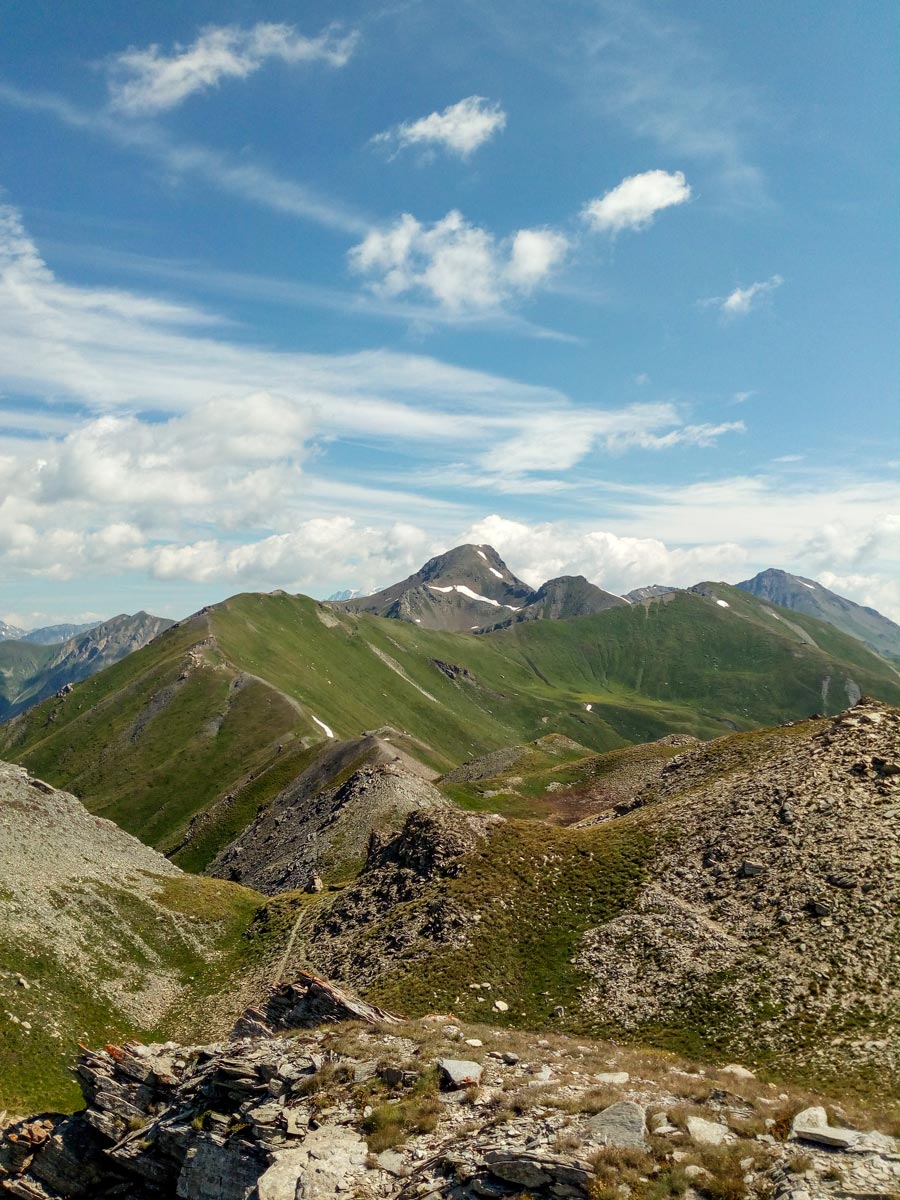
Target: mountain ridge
[183, 741]
[31, 670]
[812, 598]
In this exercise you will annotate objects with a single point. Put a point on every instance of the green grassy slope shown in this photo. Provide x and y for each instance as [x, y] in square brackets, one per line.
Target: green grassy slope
[216, 712]
[186, 938]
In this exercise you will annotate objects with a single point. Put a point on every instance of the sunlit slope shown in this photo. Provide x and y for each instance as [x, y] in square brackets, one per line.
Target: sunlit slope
[721, 654]
[217, 715]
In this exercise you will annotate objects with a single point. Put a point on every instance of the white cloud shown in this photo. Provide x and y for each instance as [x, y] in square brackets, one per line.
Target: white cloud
[549, 443]
[633, 203]
[617, 563]
[146, 81]
[460, 266]
[742, 300]
[234, 444]
[534, 254]
[460, 129]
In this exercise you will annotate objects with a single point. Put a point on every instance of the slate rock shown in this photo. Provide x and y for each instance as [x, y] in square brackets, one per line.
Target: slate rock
[621, 1125]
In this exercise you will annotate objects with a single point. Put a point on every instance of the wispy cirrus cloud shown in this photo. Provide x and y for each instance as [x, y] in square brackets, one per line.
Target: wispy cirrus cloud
[460, 128]
[649, 68]
[633, 203]
[252, 182]
[171, 432]
[148, 81]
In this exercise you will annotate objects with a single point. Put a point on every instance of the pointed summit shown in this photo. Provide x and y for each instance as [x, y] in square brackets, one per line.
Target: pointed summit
[468, 588]
[808, 596]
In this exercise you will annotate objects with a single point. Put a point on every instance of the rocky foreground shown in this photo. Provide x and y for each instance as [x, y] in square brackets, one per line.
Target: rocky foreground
[376, 1107]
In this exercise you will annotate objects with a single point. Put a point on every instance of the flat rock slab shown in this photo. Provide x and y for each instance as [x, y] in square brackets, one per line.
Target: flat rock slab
[708, 1133]
[459, 1072]
[811, 1125]
[621, 1125]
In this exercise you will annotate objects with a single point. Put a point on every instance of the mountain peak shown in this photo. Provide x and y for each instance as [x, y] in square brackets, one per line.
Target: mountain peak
[469, 587]
[813, 598]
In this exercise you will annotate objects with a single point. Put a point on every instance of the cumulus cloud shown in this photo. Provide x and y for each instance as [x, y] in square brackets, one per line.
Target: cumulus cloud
[459, 265]
[147, 81]
[459, 129]
[742, 301]
[543, 551]
[739, 302]
[634, 202]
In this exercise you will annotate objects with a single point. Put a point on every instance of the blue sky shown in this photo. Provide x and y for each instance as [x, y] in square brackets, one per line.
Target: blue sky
[296, 298]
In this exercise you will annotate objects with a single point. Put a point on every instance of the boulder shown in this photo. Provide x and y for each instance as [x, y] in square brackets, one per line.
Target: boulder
[708, 1133]
[621, 1125]
[459, 1072]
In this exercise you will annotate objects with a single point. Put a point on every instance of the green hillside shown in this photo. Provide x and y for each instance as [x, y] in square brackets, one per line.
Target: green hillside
[217, 714]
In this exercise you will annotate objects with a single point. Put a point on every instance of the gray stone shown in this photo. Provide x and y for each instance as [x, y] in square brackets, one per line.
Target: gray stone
[737, 1071]
[612, 1077]
[215, 1169]
[392, 1162]
[621, 1125]
[749, 869]
[708, 1133]
[330, 1161]
[811, 1125]
[459, 1072]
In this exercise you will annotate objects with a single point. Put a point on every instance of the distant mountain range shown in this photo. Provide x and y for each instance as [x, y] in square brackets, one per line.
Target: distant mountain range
[31, 669]
[470, 588]
[46, 635]
[807, 596]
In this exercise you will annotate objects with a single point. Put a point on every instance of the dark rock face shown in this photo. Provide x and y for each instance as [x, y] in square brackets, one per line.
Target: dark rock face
[568, 597]
[310, 829]
[471, 589]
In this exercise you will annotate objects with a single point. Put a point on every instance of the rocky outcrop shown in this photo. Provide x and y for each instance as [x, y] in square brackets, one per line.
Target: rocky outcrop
[309, 829]
[387, 913]
[388, 1111]
[305, 1002]
[773, 903]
